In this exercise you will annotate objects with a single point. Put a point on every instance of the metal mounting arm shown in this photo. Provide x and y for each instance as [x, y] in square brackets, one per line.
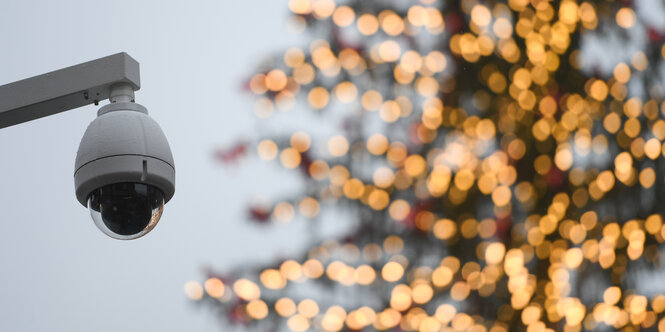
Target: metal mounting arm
[66, 89]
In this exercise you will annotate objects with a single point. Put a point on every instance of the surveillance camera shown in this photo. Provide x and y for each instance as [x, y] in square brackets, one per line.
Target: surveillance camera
[124, 169]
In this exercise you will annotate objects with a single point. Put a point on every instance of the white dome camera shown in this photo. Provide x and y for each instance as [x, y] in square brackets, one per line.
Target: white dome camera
[124, 169]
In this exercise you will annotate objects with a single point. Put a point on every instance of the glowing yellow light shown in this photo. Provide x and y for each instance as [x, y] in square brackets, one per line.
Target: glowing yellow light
[343, 16]
[309, 207]
[625, 17]
[294, 57]
[298, 323]
[541, 130]
[300, 141]
[647, 177]
[350, 59]
[257, 309]
[497, 82]
[598, 90]
[658, 303]
[459, 291]
[652, 148]
[415, 165]
[464, 179]
[308, 308]
[573, 257]
[522, 78]
[444, 229]
[246, 290]
[372, 100]
[402, 75]
[267, 150]
[623, 163]
[323, 8]
[346, 92]
[639, 61]
[495, 252]
[339, 175]
[653, 223]
[502, 28]
[318, 169]
[397, 152]
[312, 269]
[435, 61]
[300, 6]
[390, 51]
[427, 86]
[392, 272]
[214, 287]
[276, 80]
[291, 270]
[368, 24]
[393, 244]
[563, 159]
[354, 189]
[333, 320]
[400, 298]
[422, 293]
[442, 276]
[258, 84]
[392, 24]
[285, 100]
[411, 61]
[318, 97]
[364, 275]
[399, 209]
[390, 111]
[417, 15]
[272, 279]
[378, 199]
[304, 74]
[481, 15]
[338, 146]
[531, 314]
[193, 290]
[439, 180]
[622, 72]
[285, 307]
[388, 318]
[612, 122]
[445, 313]
[290, 158]
[383, 177]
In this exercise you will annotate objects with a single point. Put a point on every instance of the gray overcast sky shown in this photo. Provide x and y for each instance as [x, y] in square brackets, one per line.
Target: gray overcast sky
[58, 271]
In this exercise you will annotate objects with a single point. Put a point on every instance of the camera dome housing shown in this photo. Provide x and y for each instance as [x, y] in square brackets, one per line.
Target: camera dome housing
[124, 171]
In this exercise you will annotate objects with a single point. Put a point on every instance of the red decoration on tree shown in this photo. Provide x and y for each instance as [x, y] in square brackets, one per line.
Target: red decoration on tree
[259, 214]
[233, 153]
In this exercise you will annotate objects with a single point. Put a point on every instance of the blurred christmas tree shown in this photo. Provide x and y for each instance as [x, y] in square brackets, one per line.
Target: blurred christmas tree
[501, 163]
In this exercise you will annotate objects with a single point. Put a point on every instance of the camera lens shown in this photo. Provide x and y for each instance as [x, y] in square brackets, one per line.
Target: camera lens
[126, 211]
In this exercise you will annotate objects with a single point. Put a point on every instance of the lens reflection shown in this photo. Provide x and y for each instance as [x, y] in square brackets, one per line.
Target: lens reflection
[126, 210]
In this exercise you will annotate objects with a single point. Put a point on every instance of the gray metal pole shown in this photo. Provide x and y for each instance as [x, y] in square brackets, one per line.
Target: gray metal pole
[66, 89]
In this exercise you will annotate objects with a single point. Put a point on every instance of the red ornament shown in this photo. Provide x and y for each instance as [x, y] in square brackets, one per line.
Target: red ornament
[555, 178]
[305, 163]
[259, 214]
[454, 22]
[233, 153]
[503, 226]
[655, 35]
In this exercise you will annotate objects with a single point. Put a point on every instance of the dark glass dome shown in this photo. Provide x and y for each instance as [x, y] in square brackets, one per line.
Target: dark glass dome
[126, 211]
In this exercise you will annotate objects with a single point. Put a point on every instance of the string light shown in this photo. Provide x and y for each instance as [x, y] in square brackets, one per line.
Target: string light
[486, 167]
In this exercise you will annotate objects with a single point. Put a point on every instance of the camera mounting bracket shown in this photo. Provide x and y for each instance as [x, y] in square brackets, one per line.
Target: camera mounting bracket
[68, 88]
